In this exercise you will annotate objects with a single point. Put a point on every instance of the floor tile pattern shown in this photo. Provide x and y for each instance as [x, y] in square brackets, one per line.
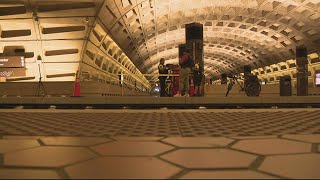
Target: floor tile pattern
[123, 168]
[143, 157]
[199, 141]
[274, 146]
[298, 166]
[28, 174]
[7, 145]
[171, 123]
[227, 174]
[47, 156]
[133, 148]
[210, 158]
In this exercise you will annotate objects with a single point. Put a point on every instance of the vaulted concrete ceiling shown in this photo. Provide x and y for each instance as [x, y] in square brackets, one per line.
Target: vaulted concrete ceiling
[130, 36]
[236, 32]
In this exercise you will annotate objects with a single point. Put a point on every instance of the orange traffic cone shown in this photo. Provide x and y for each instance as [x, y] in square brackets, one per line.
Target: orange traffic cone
[76, 87]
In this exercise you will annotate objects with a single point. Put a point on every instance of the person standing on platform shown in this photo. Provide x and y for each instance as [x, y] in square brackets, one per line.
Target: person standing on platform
[162, 70]
[197, 78]
[186, 63]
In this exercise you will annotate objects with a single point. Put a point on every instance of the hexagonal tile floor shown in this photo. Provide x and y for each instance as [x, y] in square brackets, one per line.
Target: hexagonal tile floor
[210, 158]
[241, 144]
[132, 148]
[226, 174]
[124, 168]
[107, 123]
[272, 146]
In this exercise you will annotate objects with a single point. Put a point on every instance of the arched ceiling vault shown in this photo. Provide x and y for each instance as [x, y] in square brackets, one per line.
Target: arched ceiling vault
[117, 36]
[271, 29]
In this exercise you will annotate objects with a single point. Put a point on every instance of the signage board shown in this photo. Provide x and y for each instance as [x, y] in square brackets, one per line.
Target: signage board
[12, 61]
[318, 79]
[12, 72]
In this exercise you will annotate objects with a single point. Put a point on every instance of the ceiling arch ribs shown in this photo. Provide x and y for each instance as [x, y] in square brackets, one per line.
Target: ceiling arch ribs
[253, 22]
[242, 47]
[226, 60]
[107, 44]
[253, 54]
[225, 40]
[113, 60]
[236, 39]
[270, 33]
[256, 43]
[273, 72]
[170, 17]
[164, 46]
[223, 59]
[125, 25]
[205, 41]
[285, 22]
[215, 69]
[235, 58]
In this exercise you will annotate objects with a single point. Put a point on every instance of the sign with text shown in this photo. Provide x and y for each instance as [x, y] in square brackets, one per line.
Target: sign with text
[12, 72]
[12, 61]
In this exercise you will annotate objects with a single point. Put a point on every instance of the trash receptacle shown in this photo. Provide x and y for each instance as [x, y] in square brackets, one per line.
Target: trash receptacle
[285, 86]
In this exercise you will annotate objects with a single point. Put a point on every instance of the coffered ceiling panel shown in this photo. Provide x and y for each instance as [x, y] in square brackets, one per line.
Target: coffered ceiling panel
[130, 36]
[236, 32]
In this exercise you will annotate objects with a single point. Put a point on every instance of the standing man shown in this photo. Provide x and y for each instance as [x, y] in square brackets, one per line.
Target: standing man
[162, 70]
[186, 63]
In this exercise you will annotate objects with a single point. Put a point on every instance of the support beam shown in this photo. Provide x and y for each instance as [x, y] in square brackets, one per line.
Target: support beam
[194, 41]
[224, 79]
[302, 71]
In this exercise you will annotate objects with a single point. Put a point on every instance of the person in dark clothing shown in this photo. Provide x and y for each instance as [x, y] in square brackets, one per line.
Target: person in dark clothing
[162, 70]
[197, 78]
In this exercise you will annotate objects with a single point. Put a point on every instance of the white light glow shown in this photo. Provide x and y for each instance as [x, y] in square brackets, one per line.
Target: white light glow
[177, 5]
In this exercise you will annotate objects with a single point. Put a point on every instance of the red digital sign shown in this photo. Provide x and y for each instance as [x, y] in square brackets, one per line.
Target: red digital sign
[12, 61]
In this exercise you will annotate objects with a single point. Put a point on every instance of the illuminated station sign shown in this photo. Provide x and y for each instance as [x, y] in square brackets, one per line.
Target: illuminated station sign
[12, 61]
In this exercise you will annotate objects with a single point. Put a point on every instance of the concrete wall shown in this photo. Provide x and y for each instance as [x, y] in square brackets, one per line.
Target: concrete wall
[88, 88]
[92, 88]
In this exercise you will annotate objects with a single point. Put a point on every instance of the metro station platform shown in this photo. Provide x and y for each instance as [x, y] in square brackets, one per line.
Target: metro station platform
[147, 102]
[164, 144]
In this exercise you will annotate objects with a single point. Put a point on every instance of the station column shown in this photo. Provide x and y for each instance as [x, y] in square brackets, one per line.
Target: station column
[194, 42]
[224, 79]
[182, 48]
[302, 71]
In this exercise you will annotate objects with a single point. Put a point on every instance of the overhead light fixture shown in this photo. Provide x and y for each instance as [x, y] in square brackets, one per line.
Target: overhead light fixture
[234, 3]
[20, 79]
[60, 75]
